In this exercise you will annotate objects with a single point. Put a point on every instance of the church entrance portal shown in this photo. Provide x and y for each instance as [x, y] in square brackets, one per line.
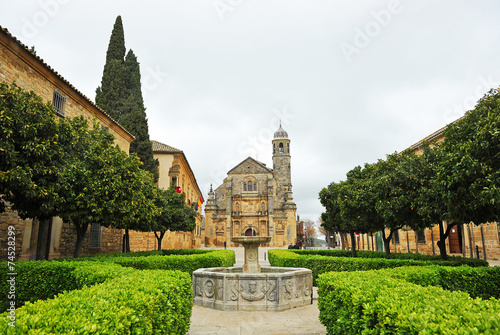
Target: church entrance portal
[250, 232]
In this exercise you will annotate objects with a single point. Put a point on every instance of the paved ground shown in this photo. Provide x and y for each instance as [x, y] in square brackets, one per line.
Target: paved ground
[303, 320]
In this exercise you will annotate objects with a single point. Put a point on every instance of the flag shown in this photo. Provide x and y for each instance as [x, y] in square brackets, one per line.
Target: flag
[178, 189]
[200, 202]
[196, 207]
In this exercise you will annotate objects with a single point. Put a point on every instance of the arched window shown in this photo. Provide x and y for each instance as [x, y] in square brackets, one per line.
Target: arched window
[281, 147]
[250, 186]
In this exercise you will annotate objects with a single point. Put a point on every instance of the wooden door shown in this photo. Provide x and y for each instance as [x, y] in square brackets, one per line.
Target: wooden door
[455, 240]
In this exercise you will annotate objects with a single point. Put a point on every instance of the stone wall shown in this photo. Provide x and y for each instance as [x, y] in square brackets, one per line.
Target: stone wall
[11, 219]
[110, 241]
[408, 241]
[17, 65]
[146, 241]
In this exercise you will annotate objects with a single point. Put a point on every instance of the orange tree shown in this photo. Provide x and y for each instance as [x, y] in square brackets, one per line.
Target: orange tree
[173, 214]
[31, 158]
[464, 181]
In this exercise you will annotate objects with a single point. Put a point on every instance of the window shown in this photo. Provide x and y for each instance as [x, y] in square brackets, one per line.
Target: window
[420, 236]
[95, 236]
[59, 102]
[396, 237]
[250, 186]
[281, 147]
[498, 230]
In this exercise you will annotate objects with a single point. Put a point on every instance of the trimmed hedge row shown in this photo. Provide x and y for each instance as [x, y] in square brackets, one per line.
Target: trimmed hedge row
[456, 260]
[480, 282]
[370, 302]
[142, 302]
[187, 260]
[186, 263]
[44, 280]
[321, 264]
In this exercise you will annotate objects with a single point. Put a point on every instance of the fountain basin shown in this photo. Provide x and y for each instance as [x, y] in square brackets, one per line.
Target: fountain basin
[273, 289]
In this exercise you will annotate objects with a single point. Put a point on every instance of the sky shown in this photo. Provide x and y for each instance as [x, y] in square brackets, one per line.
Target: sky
[350, 81]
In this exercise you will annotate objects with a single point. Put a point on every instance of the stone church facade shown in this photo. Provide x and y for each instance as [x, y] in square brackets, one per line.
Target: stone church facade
[255, 200]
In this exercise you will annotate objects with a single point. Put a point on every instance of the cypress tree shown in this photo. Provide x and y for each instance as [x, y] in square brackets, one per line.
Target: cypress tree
[111, 94]
[120, 96]
[134, 116]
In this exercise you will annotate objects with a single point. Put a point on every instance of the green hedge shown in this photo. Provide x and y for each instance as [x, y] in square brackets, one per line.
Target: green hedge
[480, 282]
[455, 260]
[187, 260]
[320, 264]
[370, 302]
[186, 263]
[142, 302]
[44, 280]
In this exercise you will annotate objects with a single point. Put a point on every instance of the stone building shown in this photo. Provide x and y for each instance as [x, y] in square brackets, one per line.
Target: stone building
[174, 170]
[467, 240]
[20, 65]
[255, 200]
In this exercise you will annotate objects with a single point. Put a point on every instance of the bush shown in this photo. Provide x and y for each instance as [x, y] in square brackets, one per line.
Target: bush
[452, 260]
[480, 282]
[186, 263]
[320, 264]
[44, 280]
[142, 302]
[370, 302]
[187, 260]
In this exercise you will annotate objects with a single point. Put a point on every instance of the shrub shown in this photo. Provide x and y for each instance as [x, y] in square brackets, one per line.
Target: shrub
[142, 302]
[186, 263]
[452, 260]
[482, 282]
[370, 302]
[320, 264]
[44, 280]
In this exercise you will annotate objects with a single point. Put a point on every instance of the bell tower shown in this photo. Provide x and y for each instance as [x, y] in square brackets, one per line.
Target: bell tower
[281, 164]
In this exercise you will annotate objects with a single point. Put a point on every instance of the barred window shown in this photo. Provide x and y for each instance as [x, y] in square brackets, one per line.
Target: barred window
[59, 103]
[420, 236]
[396, 237]
[95, 236]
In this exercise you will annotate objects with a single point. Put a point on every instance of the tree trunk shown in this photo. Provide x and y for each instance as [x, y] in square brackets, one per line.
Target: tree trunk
[441, 243]
[127, 241]
[442, 239]
[387, 242]
[49, 235]
[159, 238]
[353, 242]
[41, 244]
[81, 230]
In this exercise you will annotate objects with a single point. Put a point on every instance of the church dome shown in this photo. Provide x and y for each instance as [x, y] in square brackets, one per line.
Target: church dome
[280, 133]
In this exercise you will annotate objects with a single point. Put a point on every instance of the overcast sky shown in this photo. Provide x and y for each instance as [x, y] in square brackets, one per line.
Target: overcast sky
[351, 81]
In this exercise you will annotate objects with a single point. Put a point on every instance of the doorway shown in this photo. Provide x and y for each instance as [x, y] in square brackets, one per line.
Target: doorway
[455, 238]
[250, 232]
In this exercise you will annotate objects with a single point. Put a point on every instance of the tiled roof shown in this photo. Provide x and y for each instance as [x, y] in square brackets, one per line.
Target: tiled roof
[18, 42]
[161, 147]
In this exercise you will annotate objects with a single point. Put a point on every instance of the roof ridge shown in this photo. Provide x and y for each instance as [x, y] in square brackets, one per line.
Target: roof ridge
[159, 146]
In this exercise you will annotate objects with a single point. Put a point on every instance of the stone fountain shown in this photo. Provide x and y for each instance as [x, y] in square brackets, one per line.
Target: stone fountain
[252, 287]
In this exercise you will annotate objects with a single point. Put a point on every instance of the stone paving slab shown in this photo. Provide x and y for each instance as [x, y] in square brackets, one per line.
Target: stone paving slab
[302, 320]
